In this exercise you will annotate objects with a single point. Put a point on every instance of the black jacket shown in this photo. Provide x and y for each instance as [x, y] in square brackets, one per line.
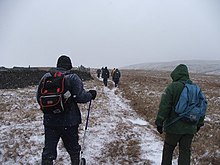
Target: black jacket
[72, 116]
[105, 73]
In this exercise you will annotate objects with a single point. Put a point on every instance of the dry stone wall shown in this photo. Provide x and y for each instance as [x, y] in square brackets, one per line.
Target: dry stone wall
[23, 77]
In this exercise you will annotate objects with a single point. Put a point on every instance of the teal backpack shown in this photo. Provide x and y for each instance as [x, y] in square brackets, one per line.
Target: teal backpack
[191, 106]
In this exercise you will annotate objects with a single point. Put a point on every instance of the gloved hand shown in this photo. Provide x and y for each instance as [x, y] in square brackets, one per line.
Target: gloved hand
[198, 128]
[93, 93]
[160, 129]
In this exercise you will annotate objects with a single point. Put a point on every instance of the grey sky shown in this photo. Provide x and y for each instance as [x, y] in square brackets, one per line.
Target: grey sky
[111, 33]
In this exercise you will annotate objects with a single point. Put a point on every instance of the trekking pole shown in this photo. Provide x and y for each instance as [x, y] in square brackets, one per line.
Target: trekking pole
[87, 119]
[82, 160]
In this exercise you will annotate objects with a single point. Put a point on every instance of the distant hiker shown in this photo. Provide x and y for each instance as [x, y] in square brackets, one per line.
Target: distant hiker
[102, 69]
[112, 72]
[105, 75]
[98, 72]
[62, 121]
[181, 131]
[116, 76]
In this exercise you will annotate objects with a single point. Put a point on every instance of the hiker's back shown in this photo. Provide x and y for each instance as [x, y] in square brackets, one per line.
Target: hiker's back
[53, 93]
[105, 73]
[71, 114]
[116, 74]
[185, 95]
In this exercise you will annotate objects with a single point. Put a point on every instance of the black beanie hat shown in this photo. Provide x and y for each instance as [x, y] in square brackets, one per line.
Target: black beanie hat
[64, 62]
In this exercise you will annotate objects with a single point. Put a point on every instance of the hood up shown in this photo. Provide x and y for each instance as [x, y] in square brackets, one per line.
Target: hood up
[180, 73]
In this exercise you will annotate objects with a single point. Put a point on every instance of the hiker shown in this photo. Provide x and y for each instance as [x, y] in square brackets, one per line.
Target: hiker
[64, 125]
[116, 76]
[105, 75]
[98, 72]
[180, 131]
[112, 72]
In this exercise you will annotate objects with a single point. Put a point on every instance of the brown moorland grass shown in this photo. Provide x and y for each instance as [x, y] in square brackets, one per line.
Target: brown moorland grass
[144, 88]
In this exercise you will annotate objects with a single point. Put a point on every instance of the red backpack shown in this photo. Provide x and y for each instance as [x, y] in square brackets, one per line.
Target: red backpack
[53, 95]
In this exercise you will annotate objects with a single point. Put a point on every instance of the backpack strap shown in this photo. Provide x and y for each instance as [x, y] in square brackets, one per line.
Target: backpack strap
[173, 121]
[179, 116]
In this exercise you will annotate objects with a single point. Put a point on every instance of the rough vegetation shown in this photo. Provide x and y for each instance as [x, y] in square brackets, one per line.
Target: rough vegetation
[144, 89]
[141, 88]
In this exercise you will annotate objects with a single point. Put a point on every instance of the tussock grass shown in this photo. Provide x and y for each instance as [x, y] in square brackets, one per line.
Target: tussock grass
[144, 88]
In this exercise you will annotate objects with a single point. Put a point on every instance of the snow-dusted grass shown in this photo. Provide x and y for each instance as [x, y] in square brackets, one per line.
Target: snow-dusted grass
[113, 125]
[121, 126]
[143, 88]
[123, 136]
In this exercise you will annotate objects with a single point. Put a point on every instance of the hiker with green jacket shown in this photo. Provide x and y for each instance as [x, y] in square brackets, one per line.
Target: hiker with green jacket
[180, 131]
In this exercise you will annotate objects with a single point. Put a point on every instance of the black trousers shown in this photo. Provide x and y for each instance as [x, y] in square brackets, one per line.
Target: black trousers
[170, 143]
[69, 136]
[105, 81]
[116, 82]
[98, 75]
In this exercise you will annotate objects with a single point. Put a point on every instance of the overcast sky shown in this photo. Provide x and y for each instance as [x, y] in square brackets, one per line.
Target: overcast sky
[112, 33]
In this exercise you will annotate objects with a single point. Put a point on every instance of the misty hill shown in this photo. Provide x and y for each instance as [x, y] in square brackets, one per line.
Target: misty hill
[195, 66]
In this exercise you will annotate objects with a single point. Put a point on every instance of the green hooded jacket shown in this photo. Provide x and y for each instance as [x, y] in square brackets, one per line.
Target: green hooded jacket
[169, 99]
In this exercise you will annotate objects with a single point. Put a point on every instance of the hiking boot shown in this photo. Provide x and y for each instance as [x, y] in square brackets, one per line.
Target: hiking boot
[75, 159]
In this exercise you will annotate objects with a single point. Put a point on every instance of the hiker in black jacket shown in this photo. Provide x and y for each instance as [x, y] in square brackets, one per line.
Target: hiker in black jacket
[65, 125]
[98, 72]
[105, 76]
[116, 76]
